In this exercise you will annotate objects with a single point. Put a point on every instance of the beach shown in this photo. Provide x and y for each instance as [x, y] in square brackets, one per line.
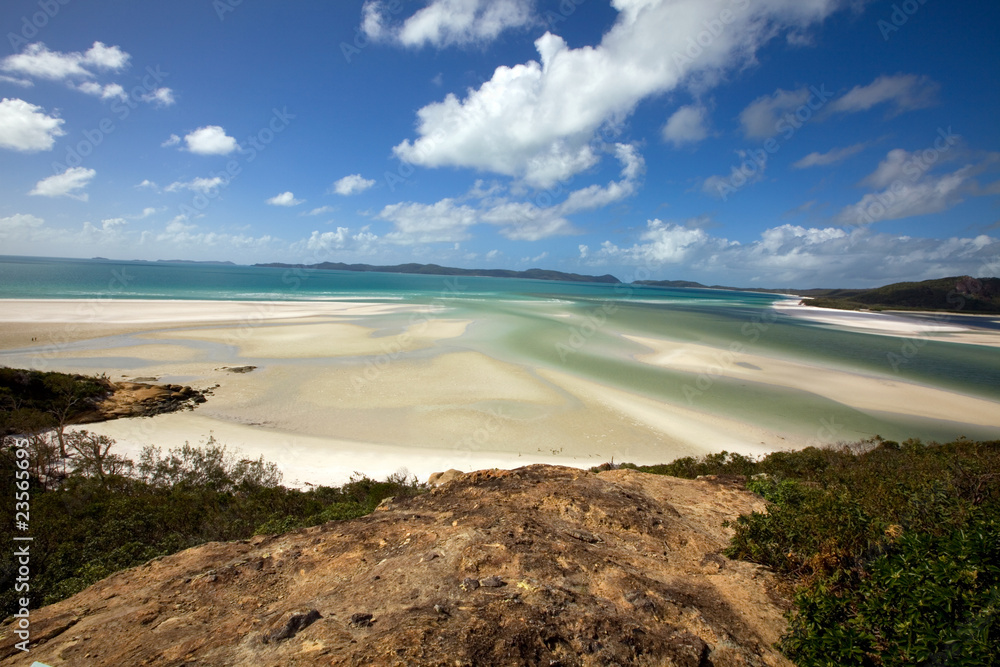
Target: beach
[381, 386]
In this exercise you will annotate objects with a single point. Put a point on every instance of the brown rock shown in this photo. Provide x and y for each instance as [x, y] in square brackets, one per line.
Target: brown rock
[642, 595]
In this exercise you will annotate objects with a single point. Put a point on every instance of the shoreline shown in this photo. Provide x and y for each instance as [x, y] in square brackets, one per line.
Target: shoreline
[372, 386]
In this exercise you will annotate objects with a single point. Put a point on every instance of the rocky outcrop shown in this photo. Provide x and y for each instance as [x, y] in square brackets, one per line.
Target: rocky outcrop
[136, 399]
[536, 566]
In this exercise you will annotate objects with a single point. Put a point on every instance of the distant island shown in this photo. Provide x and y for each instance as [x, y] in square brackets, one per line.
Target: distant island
[436, 270]
[958, 293]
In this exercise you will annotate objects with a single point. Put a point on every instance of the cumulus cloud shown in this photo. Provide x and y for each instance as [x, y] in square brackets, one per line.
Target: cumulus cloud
[172, 140]
[210, 140]
[38, 61]
[537, 120]
[761, 119]
[182, 234]
[162, 97]
[201, 185]
[906, 92]
[444, 221]
[905, 197]
[907, 184]
[447, 220]
[26, 127]
[796, 256]
[687, 125]
[16, 225]
[444, 23]
[285, 199]
[111, 91]
[318, 243]
[832, 156]
[320, 210]
[351, 185]
[66, 184]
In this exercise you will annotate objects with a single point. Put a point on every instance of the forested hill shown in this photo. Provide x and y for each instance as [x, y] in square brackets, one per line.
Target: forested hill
[436, 270]
[956, 294]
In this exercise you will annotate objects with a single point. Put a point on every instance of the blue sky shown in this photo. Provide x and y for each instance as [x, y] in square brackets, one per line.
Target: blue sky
[742, 142]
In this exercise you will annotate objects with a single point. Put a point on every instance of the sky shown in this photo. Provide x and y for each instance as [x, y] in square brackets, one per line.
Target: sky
[769, 143]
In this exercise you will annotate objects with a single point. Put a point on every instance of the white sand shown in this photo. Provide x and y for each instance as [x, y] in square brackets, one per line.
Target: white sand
[891, 324]
[332, 395]
[862, 392]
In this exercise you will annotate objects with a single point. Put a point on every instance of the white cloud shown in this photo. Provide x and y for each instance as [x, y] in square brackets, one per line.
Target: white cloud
[443, 221]
[536, 121]
[750, 169]
[686, 126]
[65, 184]
[907, 92]
[320, 211]
[111, 91]
[284, 199]
[172, 140]
[202, 185]
[518, 220]
[892, 168]
[179, 233]
[446, 23]
[832, 156]
[351, 185]
[906, 197]
[146, 212]
[161, 97]
[18, 224]
[26, 127]
[210, 140]
[146, 183]
[24, 83]
[795, 256]
[762, 117]
[38, 61]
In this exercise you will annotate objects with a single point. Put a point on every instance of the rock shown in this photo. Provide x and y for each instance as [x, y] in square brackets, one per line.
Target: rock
[238, 369]
[294, 624]
[439, 478]
[361, 620]
[492, 582]
[641, 596]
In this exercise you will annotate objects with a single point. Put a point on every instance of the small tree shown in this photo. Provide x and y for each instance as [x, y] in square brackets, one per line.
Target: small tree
[92, 456]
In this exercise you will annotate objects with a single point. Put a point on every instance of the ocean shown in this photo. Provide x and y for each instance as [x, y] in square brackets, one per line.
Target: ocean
[581, 328]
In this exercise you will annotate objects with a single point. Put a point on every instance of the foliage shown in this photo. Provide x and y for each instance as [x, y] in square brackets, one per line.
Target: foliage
[34, 400]
[94, 513]
[960, 293]
[894, 548]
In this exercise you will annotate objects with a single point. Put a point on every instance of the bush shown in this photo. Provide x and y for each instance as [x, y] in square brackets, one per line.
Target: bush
[894, 548]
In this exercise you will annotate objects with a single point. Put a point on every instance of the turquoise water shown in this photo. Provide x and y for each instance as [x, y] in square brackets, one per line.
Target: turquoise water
[571, 327]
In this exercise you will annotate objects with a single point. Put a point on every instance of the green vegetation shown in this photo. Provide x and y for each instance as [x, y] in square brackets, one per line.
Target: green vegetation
[894, 550]
[33, 400]
[958, 294]
[94, 513]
